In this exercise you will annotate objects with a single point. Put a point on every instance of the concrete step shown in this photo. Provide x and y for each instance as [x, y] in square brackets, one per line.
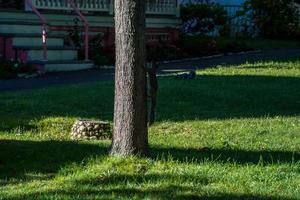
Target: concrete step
[37, 41]
[52, 35]
[54, 53]
[20, 27]
[64, 65]
[34, 39]
[27, 40]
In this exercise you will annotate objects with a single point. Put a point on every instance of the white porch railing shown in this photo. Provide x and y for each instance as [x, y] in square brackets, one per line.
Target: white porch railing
[86, 5]
[161, 7]
[155, 7]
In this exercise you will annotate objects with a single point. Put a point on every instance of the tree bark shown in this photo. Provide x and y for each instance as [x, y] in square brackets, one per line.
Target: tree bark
[130, 110]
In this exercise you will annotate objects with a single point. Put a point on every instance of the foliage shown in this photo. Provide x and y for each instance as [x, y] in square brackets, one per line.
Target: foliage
[274, 18]
[203, 18]
[164, 51]
[232, 133]
[74, 36]
[97, 53]
[197, 46]
[96, 49]
[11, 68]
[18, 4]
[201, 46]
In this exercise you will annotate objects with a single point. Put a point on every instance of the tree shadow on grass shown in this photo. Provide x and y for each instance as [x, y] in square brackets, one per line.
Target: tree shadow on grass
[143, 186]
[18, 158]
[226, 97]
[238, 156]
[158, 193]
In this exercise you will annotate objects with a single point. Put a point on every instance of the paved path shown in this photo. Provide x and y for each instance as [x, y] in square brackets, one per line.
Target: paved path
[52, 79]
[234, 59]
[64, 78]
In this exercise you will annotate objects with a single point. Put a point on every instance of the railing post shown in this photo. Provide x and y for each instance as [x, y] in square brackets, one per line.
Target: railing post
[160, 7]
[177, 9]
[86, 42]
[44, 27]
[86, 28]
[111, 7]
[44, 40]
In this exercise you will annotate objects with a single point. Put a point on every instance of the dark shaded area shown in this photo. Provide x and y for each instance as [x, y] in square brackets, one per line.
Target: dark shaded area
[12, 4]
[47, 157]
[162, 193]
[57, 79]
[225, 97]
[238, 156]
[67, 78]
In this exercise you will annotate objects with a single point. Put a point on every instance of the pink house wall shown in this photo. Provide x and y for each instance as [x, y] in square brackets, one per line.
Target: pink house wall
[6, 43]
[109, 34]
[6, 47]
[7, 51]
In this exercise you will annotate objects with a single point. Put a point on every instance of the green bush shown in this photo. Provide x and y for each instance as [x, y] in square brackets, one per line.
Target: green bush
[97, 53]
[274, 18]
[96, 49]
[15, 4]
[163, 51]
[196, 46]
[10, 68]
[202, 19]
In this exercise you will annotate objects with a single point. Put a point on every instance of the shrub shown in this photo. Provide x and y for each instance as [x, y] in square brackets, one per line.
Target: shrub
[201, 19]
[274, 18]
[164, 51]
[10, 68]
[201, 46]
[96, 50]
[14, 4]
[97, 53]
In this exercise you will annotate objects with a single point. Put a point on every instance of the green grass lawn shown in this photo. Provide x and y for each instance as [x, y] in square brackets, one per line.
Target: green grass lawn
[233, 133]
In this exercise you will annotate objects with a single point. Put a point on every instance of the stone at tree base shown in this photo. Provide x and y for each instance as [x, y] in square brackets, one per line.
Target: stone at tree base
[91, 130]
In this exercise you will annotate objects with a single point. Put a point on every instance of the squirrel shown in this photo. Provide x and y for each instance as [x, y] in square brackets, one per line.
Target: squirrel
[152, 90]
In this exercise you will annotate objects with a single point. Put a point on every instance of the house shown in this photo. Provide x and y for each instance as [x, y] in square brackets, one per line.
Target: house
[34, 31]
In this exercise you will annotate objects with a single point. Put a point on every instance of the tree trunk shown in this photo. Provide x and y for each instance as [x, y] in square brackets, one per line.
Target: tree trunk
[130, 110]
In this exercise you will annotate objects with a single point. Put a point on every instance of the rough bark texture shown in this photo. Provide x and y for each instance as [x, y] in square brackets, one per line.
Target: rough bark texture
[130, 112]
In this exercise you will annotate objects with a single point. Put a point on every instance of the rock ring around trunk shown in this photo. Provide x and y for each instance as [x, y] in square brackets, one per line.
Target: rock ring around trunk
[91, 130]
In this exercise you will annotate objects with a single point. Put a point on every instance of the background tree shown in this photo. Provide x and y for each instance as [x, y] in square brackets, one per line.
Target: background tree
[17, 4]
[274, 18]
[130, 113]
[200, 19]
